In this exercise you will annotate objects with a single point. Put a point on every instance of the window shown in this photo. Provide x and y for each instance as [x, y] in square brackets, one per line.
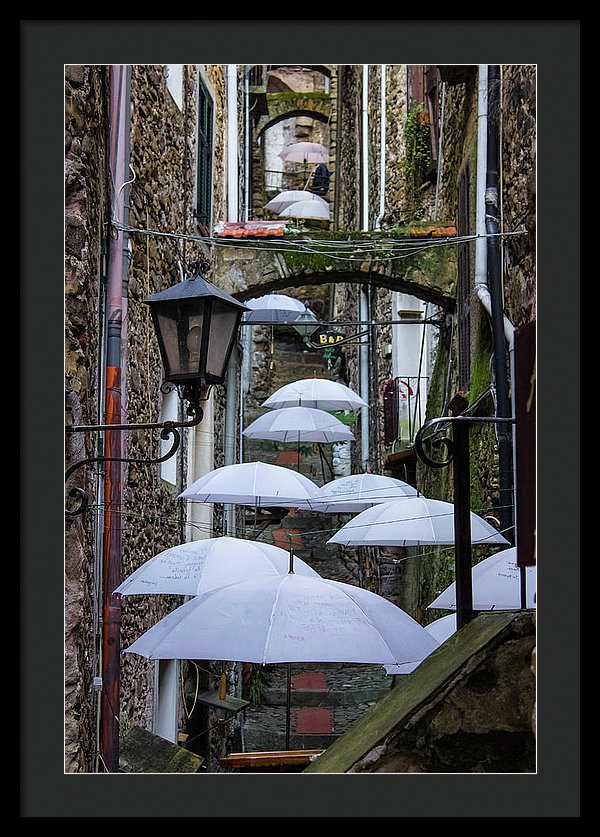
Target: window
[205, 150]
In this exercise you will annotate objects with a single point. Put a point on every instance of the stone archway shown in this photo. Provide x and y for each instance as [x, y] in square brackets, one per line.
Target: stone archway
[429, 273]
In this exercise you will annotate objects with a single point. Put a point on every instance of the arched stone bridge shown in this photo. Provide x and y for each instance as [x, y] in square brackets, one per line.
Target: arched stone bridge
[286, 105]
[428, 272]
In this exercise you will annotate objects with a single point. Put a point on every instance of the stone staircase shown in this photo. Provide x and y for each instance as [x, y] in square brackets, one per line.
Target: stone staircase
[326, 699]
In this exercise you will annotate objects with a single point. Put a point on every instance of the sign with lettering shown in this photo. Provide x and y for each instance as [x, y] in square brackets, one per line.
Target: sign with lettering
[329, 338]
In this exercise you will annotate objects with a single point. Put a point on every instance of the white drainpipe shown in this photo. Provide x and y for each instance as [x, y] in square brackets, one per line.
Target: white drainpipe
[363, 352]
[481, 284]
[232, 145]
[232, 215]
[382, 149]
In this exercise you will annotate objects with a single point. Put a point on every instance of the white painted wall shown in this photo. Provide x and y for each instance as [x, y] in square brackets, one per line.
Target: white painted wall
[175, 83]
[169, 412]
[407, 342]
[166, 689]
[201, 451]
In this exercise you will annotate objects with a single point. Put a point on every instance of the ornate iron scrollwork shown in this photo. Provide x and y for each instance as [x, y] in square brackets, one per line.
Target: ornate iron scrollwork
[167, 429]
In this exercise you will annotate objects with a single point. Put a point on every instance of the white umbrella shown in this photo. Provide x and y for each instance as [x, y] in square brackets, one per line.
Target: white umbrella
[440, 630]
[298, 424]
[252, 484]
[358, 492]
[411, 521]
[305, 152]
[496, 585]
[443, 628]
[306, 209]
[320, 393]
[290, 196]
[190, 569]
[291, 618]
[273, 308]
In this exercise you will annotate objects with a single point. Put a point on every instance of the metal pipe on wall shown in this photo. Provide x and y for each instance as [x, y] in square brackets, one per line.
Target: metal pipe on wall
[497, 303]
[232, 215]
[232, 145]
[364, 313]
[365, 148]
[383, 140]
[246, 143]
[112, 544]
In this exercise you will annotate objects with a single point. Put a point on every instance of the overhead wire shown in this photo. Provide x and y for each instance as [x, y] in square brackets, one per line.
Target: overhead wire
[333, 248]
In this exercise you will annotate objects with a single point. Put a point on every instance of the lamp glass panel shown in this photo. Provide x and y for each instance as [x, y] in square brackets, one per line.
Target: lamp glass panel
[181, 331]
[222, 327]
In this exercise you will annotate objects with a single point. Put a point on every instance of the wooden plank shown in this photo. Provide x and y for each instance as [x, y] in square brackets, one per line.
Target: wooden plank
[229, 703]
[143, 752]
[269, 758]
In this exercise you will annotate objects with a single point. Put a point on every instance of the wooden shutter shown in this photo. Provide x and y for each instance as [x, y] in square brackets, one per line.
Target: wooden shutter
[205, 140]
[431, 82]
[416, 84]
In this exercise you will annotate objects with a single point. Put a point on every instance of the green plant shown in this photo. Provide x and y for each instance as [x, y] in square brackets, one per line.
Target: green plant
[345, 418]
[417, 143]
[260, 680]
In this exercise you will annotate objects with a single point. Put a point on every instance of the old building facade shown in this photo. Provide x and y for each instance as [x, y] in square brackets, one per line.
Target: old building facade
[200, 145]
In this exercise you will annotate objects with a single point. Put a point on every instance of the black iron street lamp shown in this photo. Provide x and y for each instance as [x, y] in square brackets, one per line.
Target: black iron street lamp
[196, 325]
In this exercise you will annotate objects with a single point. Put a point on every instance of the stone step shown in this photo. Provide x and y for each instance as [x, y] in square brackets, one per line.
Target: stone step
[311, 697]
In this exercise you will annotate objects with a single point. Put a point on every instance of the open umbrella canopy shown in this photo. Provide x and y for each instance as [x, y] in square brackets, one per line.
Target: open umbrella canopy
[298, 424]
[290, 196]
[294, 618]
[496, 585]
[411, 521]
[305, 152]
[320, 393]
[440, 630]
[306, 209]
[196, 567]
[252, 484]
[358, 492]
[273, 308]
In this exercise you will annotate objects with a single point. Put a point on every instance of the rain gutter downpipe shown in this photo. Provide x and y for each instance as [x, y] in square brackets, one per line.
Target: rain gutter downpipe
[383, 109]
[364, 313]
[232, 215]
[494, 287]
[246, 143]
[118, 259]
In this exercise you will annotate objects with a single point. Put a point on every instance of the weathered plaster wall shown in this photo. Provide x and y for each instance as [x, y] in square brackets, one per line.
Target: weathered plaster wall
[86, 184]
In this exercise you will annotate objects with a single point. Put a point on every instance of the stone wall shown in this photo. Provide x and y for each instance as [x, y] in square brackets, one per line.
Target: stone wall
[347, 202]
[162, 156]
[86, 187]
[481, 723]
[396, 99]
[519, 136]
[467, 708]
